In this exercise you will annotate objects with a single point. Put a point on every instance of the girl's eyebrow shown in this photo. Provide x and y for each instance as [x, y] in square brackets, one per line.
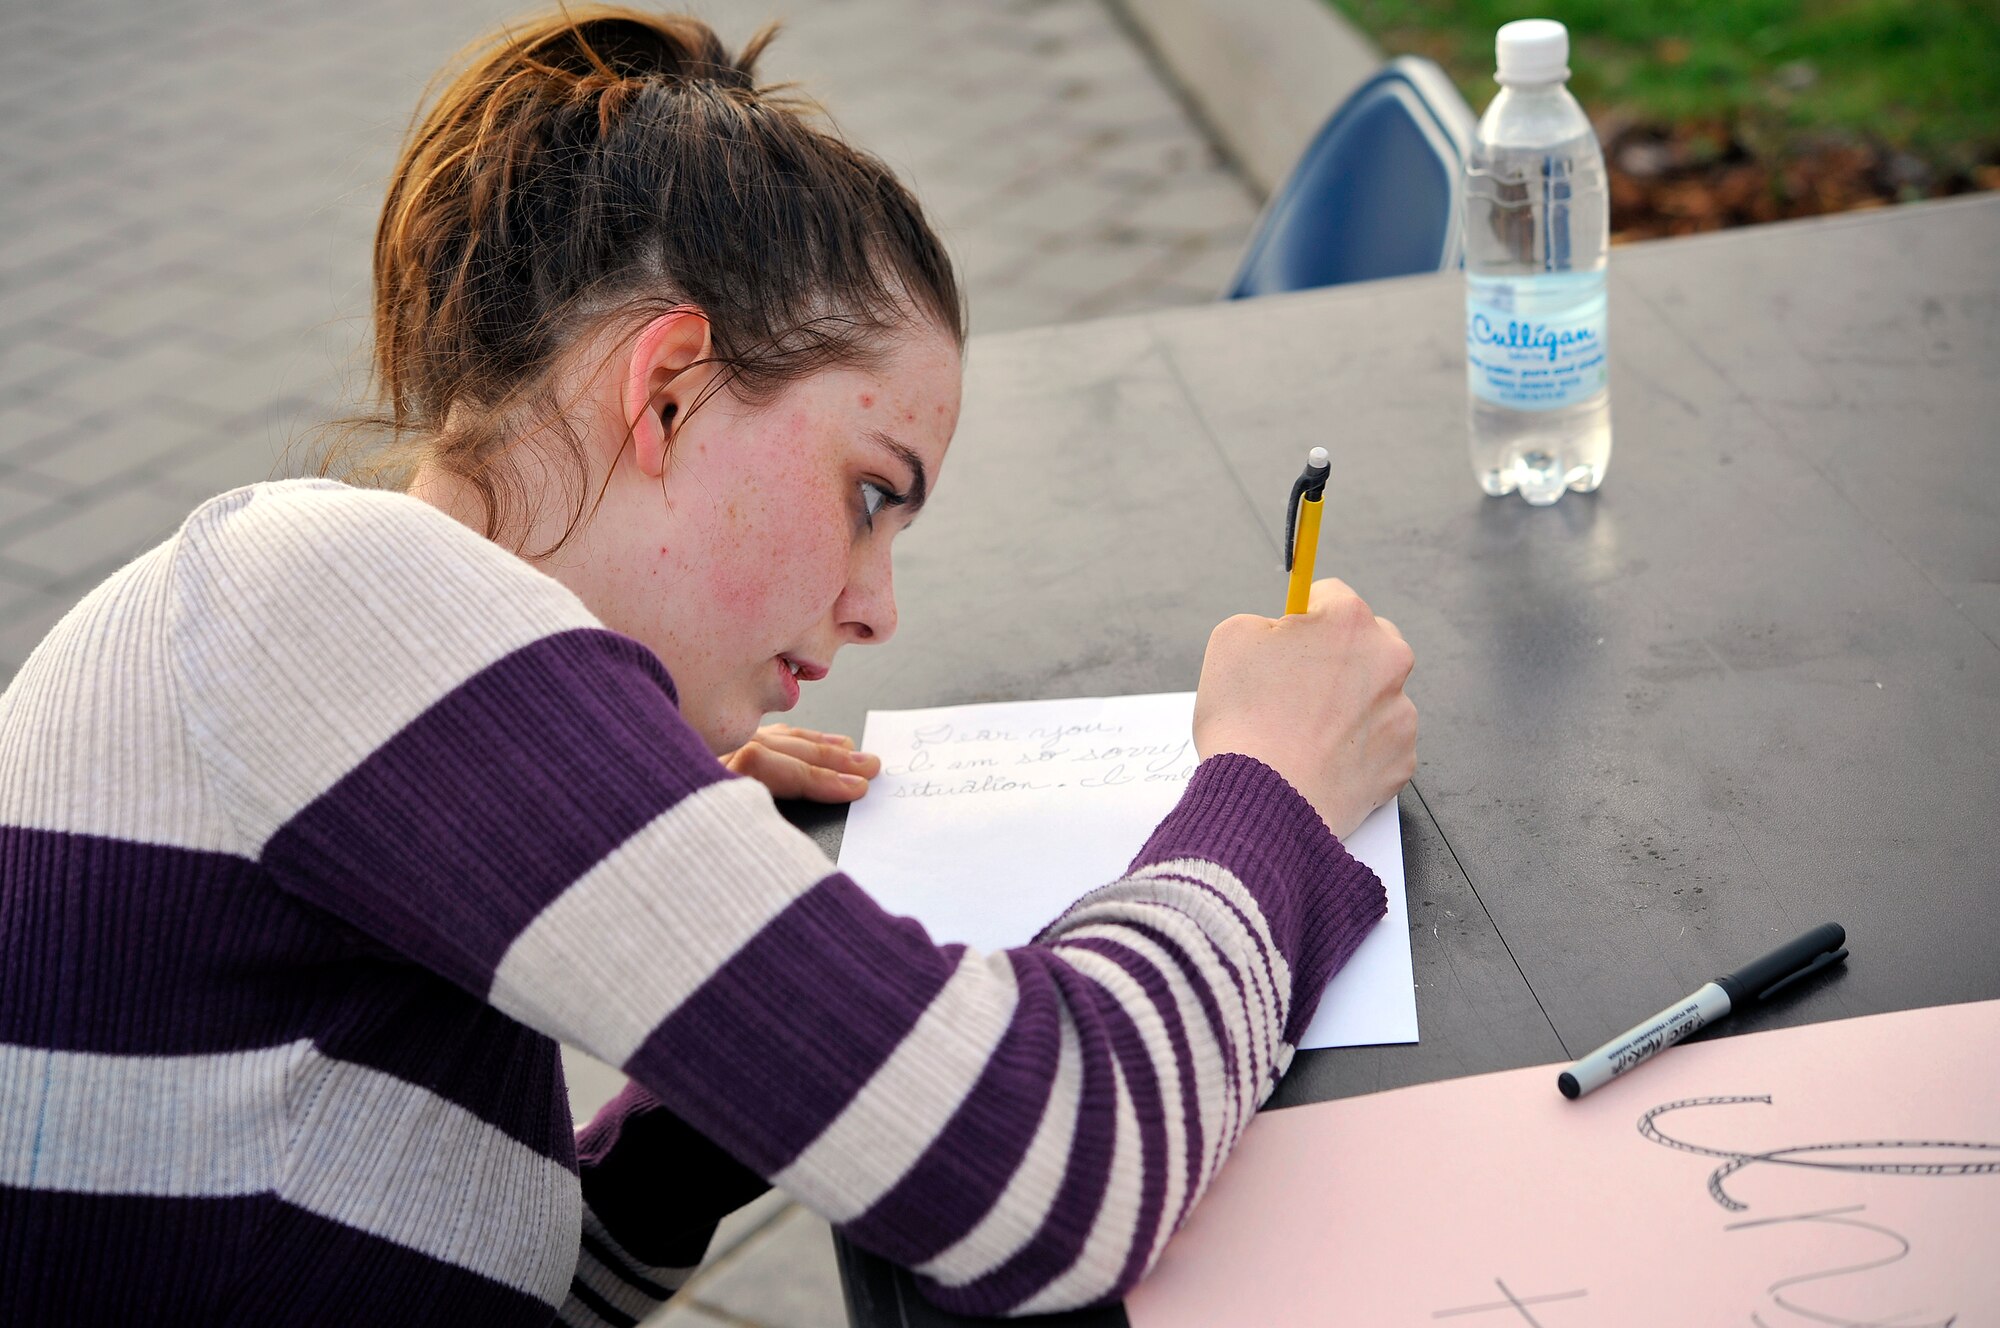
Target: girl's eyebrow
[918, 482]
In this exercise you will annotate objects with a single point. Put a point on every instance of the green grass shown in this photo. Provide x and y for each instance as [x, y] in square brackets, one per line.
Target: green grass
[1919, 75]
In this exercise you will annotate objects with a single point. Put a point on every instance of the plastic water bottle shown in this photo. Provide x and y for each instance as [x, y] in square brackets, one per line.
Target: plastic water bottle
[1537, 223]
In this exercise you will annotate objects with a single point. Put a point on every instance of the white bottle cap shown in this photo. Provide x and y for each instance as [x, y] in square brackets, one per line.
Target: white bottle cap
[1532, 50]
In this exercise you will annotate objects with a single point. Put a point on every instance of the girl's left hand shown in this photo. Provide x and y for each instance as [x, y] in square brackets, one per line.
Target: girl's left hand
[804, 763]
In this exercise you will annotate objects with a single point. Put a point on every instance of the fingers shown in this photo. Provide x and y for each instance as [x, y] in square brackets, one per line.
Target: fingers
[789, 777]
[1328, 590]
[813, 749]
[802, 763]
[1333, 595]
[1406, 658]
[810, 735]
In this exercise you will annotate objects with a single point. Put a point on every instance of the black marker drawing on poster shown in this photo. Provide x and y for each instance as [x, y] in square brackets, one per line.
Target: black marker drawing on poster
[1913, 1158]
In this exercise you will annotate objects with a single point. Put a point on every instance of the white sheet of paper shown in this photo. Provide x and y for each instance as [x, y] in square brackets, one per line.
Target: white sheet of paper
[987, 821]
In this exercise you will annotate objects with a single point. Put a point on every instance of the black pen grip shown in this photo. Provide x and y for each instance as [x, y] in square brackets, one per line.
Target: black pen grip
[1755, 978]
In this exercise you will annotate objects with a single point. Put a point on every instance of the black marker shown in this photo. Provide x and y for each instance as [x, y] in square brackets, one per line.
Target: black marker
[1716, 1000]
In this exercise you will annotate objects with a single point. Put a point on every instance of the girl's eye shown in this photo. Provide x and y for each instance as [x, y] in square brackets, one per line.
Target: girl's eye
[875, 497]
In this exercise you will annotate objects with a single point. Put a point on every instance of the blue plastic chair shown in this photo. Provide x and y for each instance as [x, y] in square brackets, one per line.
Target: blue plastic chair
[1377, 194]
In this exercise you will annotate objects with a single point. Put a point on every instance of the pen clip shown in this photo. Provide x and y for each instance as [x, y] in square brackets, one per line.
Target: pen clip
[1311, 486]
[1299, 487]
[1819, 962]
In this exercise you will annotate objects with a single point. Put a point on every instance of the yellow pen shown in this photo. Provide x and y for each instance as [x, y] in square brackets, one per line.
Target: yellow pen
[1302, 529]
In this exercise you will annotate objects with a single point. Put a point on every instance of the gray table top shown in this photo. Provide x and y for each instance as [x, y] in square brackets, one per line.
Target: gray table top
[1751, 685]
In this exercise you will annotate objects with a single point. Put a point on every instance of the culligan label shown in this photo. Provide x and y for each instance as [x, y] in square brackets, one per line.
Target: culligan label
[1535, 342]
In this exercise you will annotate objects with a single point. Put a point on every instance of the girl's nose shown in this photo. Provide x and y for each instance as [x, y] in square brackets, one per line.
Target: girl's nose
[867, 607]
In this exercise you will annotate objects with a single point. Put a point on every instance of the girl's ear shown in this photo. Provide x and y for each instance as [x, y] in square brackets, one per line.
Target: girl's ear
[666, 372]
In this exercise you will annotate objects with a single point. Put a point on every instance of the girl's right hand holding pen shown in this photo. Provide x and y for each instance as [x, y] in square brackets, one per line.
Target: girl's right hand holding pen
[1317, 696]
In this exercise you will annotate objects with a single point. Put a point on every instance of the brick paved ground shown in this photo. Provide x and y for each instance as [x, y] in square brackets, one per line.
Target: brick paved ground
[187, 190]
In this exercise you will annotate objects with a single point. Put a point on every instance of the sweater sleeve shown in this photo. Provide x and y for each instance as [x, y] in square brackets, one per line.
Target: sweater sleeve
[635, 1250]
[432, 741]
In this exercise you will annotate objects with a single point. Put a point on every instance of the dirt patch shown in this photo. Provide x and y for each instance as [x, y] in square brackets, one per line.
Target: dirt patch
[1680, 179]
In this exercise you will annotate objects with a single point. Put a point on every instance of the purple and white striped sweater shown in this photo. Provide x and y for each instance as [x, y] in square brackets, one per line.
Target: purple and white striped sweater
[321, 821]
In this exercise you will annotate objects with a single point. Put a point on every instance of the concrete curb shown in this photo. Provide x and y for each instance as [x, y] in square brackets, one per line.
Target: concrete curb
[1263, 75]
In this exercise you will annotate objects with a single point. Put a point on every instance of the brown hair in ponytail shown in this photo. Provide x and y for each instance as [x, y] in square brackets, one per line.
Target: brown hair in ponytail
[600, 163]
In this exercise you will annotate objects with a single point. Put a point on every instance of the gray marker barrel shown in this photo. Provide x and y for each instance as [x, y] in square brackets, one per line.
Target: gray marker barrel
[1655, 1035]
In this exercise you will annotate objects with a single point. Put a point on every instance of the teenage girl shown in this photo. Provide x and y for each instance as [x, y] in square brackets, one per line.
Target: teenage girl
[322, 822]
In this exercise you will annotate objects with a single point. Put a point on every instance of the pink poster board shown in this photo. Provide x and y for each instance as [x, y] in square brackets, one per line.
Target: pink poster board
[1845, 1173]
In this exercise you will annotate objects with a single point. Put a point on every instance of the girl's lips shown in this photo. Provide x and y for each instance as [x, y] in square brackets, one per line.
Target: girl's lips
[791, 684]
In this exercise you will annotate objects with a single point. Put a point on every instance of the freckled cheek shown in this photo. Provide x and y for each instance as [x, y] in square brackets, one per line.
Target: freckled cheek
[777, 570]
[738, 588]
